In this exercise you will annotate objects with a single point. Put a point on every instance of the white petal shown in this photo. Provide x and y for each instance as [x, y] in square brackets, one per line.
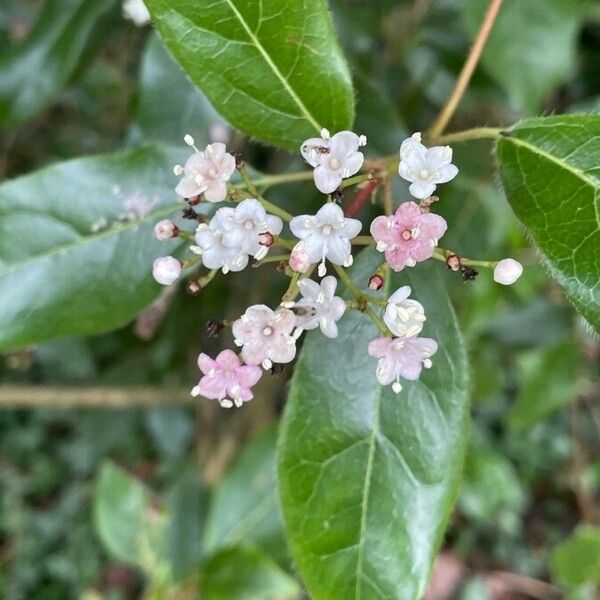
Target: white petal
[421, 189]
[326, 180]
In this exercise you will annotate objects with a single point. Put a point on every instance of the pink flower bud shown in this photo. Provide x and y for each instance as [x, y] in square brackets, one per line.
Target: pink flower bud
[166, 270]
[507, 271]
[299, 260]
[453, 262]
[376, 282]
[165, 230]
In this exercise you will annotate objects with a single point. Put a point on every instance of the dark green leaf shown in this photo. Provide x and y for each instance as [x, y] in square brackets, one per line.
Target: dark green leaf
[368, 478]
[549, 168]
[33, 72]
[172, 429]
[244, 506]
[548, 384]
[245, 574]
[273, 69]
[169, 105]
[531, 48]
[577, 560]
[76, 244]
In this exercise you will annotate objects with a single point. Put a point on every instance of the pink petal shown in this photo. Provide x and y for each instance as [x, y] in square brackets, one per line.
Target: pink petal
[284, 320]
[216, 191]
[397, 257]
[381, 231]
[248, 375]
[206, 363]
[213, 386]
[282, 350]
[432, 226]
[228, 359]
[407, 213]
[379, 347]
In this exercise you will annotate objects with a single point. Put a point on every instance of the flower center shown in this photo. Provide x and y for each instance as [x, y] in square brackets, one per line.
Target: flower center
[334, 164]
[268, 330]
[406, 235]
[212, 173]
[423, 174]
[249, 224]
[326, 229]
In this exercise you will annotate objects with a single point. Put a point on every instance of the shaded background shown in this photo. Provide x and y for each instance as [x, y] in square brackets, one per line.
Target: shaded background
[532, 474]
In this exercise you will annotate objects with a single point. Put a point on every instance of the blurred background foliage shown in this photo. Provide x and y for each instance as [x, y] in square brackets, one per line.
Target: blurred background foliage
[121, 503]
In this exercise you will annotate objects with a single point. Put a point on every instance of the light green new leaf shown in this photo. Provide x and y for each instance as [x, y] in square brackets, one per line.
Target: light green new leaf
[76, 244]
[532, 46]
[272, 68]
[368, 478]
[577, 560]
[245, 573]
[550, 169]
[32, 73]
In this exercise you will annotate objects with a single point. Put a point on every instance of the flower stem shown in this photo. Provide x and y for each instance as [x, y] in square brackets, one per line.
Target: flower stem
[363, 240]
[478, 133]
[274, 258]
[442, 255]
[284, 243]
[270, 180]
[466, 73]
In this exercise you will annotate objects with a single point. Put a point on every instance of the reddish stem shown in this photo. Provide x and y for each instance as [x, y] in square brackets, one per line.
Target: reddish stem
[361, 197]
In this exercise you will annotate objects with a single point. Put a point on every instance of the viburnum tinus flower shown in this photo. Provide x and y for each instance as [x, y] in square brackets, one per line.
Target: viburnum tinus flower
[333, 157]
[266, 335]
[319, 306]
[425, 167]
[206, 172]
[165, 230]
[299, 260]
[166, 270]
[404, 316]
[401, 357]
[210, 245]
[244, 224]
[226, 379]
[507, 271]
[408, 236]
[326, 235]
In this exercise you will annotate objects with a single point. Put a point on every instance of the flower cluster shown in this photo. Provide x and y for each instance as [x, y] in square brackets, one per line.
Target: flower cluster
[245, 231]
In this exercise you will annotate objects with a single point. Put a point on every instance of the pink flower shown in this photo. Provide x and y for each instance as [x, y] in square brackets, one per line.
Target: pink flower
[401, 357]
[265, 335]
[409, 236]
[226, 377]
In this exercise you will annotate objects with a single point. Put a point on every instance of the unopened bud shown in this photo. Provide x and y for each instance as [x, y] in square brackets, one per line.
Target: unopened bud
[376, 282]
[192, 201]
[299, 260]
[166, 270]
[453, 262]
[193, 287]
[507, 271]
[266, 239]
[165, 230]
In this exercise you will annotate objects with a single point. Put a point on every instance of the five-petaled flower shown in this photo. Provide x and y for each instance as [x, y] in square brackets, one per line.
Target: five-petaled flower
[425, 167]
[206, 173]
[266, 335]
[401, 357]
[226, 379]
[403, 315]
[211, 246]
[409, 236]
[326, 235]
[333, 158]
[319, 306]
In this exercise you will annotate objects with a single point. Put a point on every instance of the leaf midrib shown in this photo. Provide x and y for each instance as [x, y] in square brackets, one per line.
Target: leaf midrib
[307, 114]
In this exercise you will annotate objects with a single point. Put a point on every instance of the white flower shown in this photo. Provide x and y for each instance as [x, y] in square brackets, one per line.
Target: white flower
[319, 307]
[333, 158]
[166, 270]
[425, 167]
[403, 316]
[136, 11]
[326, 235]
[507, 271]
[265, 335]
[206, 173]
[215, 254]
[244, 224]
[165, 230]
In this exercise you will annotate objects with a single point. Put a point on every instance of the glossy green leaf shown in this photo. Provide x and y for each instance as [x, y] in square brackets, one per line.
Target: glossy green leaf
[169, 105]
[244, 505]
[549, 381]
[272, 68]
[245, 574]
[76, 244]
[577, 560]
[532, 46]
[549, 169]
[367, 478]
[32, 73]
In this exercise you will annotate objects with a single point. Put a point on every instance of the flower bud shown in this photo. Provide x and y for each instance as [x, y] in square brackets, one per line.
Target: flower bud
[376, 282]
[166, 270]
[507, 271]
[165, 230]
[193, 287]
[266, 239]
[453, 262]
[299, 260]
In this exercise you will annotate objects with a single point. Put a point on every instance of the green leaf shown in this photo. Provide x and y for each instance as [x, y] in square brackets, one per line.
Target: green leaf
[532, 46]
[32, 73]
[76, 244]
[577, 560]
[367, 478]
[549, 169]
[273, 69]
[245, 574]
[169, 105]
[244, 506]
[548, 384]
